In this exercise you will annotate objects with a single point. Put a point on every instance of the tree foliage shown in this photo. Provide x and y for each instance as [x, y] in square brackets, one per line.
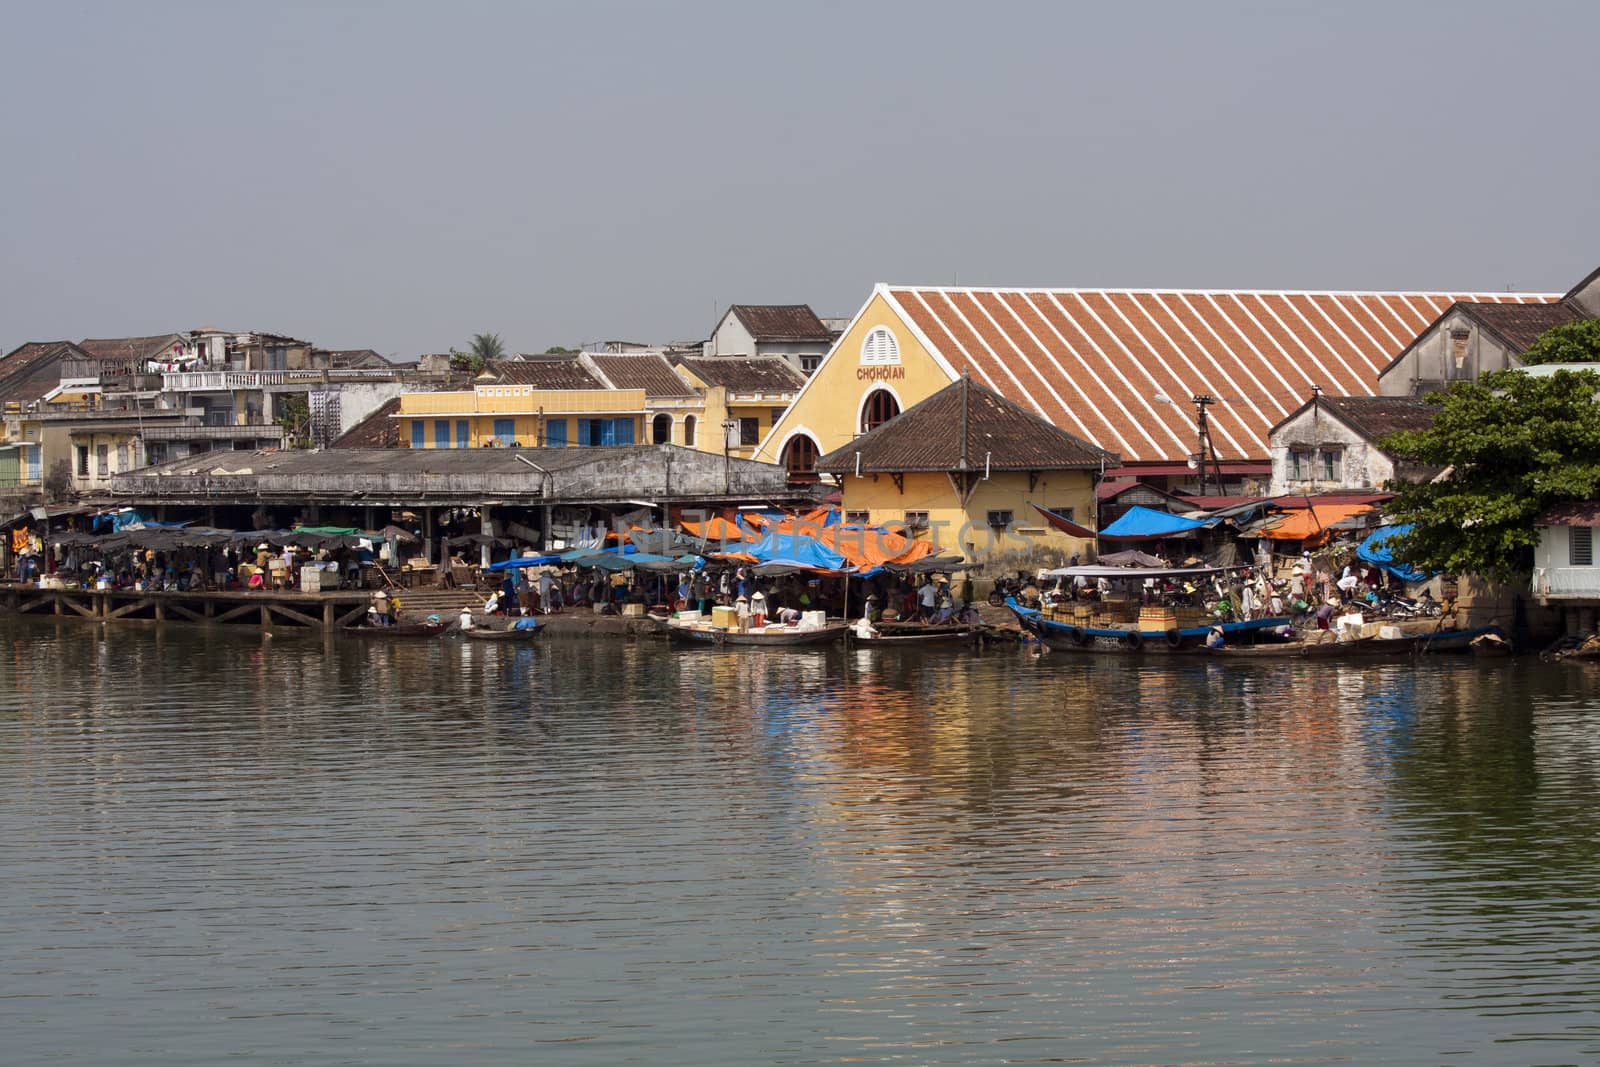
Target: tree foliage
[1514, 444]
[1573, 342]
[557, 350]
[485, 348]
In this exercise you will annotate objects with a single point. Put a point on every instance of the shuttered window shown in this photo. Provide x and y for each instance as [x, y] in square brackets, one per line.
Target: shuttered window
[880, 347]
[1580, 546]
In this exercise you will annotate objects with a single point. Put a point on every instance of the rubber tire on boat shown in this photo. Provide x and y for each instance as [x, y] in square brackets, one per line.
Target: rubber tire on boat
[1134, 640]
[1076, 635]
[1174, 638]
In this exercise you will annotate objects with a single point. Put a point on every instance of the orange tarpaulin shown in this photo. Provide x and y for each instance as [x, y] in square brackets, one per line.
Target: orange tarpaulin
[1312, 523]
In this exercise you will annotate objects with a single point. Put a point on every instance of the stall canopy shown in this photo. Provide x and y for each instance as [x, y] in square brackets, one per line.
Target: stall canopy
[1314, 524]
[1065, 525]
[1377, 549]
[1141, 522]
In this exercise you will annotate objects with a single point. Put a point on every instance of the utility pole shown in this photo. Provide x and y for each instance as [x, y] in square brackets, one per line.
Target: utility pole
[1203, 435]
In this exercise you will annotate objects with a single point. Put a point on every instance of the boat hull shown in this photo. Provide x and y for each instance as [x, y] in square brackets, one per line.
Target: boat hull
[391, 633]
[708, 637]
[1066, 637]
[507, 635]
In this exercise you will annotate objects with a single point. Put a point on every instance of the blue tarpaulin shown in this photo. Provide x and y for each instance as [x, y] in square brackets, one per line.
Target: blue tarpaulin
[523, 561]
[1147, 522]
[1375, 549]
[794, 550]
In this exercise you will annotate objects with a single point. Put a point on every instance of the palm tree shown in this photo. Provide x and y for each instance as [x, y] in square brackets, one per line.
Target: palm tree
[487, 347]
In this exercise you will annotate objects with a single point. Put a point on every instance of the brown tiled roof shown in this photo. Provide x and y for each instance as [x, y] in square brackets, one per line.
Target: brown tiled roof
[998, 433]
[26, 357]
[1118, 366]
[652, 373]
[747, 374]
[546, 372]
[112, 349]
[1521, 324]
[377, 430]
[1375, 417]
[1572, 513]
[782, 322]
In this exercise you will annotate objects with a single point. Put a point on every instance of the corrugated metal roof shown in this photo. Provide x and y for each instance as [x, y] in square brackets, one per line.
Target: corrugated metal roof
[1119, 366]
[964, 426]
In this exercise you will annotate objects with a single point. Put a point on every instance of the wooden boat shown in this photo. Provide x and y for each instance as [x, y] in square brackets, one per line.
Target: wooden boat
[483, 633]
[1068, 637]
[399, 630]
[767, 637]
[1431, 641]
[1294, 649]
[891, 635]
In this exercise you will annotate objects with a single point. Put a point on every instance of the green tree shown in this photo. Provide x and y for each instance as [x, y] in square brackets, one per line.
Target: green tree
[485, 348]
[557, 350]
[1512, 444]
[1574, 342]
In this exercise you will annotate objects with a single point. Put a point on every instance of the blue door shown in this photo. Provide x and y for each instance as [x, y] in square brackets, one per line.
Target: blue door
[505, 430]
[441, 433]
[416, 433]
[463, 435]
[555, 433]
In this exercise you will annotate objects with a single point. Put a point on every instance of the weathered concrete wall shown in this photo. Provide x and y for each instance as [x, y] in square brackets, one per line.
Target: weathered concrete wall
[1436, 359]
[1361, 464]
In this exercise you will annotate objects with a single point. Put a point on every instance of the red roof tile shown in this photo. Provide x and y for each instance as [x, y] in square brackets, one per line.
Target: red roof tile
[1118, 367]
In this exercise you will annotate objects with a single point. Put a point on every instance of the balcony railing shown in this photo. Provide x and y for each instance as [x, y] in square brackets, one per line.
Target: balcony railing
[1567, 582]
[259, 431]
[217, 381]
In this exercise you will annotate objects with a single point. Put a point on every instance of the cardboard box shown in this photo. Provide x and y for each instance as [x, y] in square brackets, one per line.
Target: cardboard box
[725, 617]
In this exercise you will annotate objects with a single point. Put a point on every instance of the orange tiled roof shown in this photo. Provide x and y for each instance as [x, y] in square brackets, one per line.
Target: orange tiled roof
[1119, 366]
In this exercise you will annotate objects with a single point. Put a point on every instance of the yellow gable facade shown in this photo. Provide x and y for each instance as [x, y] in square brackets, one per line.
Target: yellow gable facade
[878, 368]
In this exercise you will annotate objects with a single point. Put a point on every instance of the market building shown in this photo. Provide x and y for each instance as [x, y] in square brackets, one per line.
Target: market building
[1119, 368]
[975, 474]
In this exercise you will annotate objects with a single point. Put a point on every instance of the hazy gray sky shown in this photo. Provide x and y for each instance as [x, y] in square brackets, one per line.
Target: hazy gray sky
[403, 175]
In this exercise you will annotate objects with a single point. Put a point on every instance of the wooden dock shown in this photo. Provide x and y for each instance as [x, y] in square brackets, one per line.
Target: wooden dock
[244, 608]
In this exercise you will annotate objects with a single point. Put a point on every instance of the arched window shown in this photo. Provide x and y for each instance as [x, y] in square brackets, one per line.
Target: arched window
[688, 430]
[661, 429]
[800, 455]
[880, 346]
[881, 406]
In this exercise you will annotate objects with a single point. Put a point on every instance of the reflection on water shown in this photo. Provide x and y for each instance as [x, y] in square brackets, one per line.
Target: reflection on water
[287, 850]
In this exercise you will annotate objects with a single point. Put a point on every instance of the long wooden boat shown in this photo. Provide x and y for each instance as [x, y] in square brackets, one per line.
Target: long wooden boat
[768, 637]
[482, 633]
[891, 636]
[1294, 649]
[1430, 641]
[1068, 637]
[404, 629]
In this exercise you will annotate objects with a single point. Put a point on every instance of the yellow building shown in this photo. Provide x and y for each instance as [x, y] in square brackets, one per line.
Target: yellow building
[500, 415]
[744, 398]
[974, 473]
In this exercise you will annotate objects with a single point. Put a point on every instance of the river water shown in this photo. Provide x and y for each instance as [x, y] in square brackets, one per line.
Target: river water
[283, 850]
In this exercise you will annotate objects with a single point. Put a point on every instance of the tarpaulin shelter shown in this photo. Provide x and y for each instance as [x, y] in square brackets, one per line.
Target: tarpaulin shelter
[1378, 549]
[1141, 522]
[1315, 524]
[523, 561]
[1065, 525]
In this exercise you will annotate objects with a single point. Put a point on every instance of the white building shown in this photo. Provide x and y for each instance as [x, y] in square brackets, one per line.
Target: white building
[792, 331]
[1564, 571]
[1332, 444]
